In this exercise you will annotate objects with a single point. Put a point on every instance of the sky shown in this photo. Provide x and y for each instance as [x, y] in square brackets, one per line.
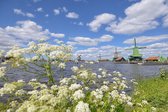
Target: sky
[92, 27]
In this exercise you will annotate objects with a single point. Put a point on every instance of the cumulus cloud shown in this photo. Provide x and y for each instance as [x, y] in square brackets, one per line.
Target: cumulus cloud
[72, 15]
[56, 11]
[140, 17]
[22, 33]
[20, 12]
[146, 39]
[57, 35]
[88, 41]
[99, 20]
[165, 21]
[64, 9]
[40, 9]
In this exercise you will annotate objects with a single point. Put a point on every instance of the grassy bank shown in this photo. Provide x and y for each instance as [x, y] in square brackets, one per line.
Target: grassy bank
[155, 91]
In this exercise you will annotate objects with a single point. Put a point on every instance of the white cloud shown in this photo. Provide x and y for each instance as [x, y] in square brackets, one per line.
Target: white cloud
[56, 11]
[64, 9]
[80, 24]
[72, 15]
[58, 35]
[46, 15]
[99, 20]
[87, 41]
[106, 38]
[93, 53]
[140, 17]
[20, 12]
[158, 45]
[23, 32]
[165, 21]
[30, 15]
[146, 39]
[40, 9]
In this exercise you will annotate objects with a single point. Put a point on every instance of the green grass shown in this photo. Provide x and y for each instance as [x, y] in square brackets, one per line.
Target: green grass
[155, 91]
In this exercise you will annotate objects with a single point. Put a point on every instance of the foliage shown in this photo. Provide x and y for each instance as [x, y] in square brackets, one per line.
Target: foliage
[155, 91]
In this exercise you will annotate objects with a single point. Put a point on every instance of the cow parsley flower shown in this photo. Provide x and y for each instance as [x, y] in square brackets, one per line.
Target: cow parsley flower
[82, 107]
[78, 95]
[2, 71]
[75, 86]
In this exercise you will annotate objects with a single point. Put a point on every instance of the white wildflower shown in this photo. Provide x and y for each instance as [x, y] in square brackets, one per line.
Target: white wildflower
[2, 71]
[144, 102]
[104, 88]
[33, 80]
[100, 69]
[78, 95]
[75, 86]
[75, 68]
[98, 94]
[153, 109]
[62, 65]
[82, 107]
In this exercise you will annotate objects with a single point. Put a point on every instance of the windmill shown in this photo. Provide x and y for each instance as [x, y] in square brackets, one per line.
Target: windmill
[136, 56]
[116, 53]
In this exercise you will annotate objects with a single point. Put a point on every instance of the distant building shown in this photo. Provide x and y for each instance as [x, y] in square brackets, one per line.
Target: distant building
[152, 58]
[119, 59]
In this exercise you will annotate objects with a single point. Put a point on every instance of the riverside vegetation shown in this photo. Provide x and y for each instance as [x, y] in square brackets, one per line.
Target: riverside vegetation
[84, 91]
[155, 91]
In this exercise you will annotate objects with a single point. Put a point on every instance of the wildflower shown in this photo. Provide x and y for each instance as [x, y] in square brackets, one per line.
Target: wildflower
[78, 95]
[75, 68]
[86, 88]
[32, 108]
[144, 102]
[2, 71]
[112, 108]
[106, 82]
[129, 103]
[153, 109]
[104, 88]
[68, 110]
[82, 107]
[62, 65]
[33, 80]
[75, 86]
[20, 92]
[84, 74]
[114, 94]
[65, 81]
[98, 94]
[100, 69]
[99, 76]
[21, 81]
[54, 87]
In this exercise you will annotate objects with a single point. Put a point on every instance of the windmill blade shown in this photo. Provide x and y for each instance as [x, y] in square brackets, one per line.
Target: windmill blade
[141, 47]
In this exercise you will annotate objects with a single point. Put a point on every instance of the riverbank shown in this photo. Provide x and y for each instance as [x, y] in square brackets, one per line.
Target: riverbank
[155, 91]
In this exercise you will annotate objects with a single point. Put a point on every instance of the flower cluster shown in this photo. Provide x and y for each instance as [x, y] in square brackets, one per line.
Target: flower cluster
[75, 95]
[84, 91]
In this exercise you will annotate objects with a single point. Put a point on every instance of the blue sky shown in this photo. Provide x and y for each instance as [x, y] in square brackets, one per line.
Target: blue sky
[92, 27]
